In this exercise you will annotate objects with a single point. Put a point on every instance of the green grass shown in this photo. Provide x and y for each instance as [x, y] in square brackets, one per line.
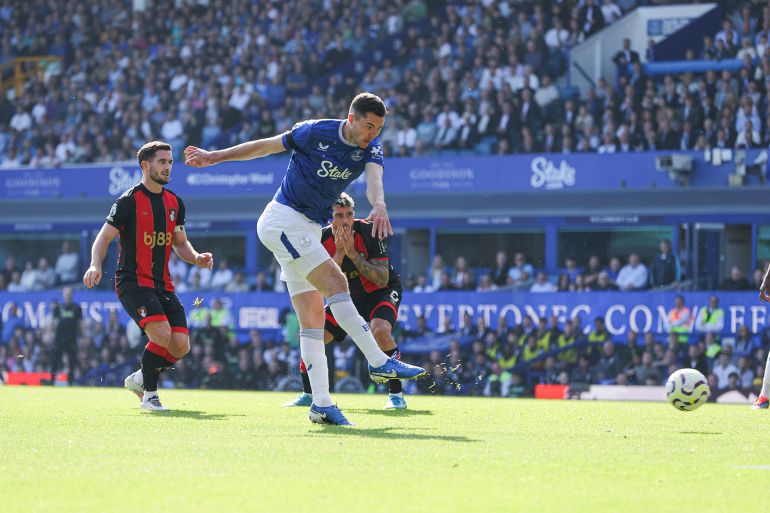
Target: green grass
[91, 450]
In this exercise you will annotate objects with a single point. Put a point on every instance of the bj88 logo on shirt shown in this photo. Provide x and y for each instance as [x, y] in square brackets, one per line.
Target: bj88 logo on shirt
[153, 239]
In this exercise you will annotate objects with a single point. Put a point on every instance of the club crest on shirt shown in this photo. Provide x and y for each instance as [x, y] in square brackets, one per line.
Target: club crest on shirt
[357, 155]
[142, 312]
[303, 241]
[172, 213]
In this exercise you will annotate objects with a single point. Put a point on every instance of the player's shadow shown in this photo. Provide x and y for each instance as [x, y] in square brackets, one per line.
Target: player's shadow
[195, 415]
[389, 413]
[389, 433]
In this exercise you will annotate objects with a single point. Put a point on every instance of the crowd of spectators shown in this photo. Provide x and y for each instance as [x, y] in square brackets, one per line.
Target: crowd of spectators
[43, 276]
[480, 76]
[218, 358]
[222, 278]
[663, 272]
[509, 360]
[67, 271]
[727, 109]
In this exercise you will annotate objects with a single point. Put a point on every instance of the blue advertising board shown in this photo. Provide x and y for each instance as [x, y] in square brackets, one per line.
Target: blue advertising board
[403, 176]
[622, 311]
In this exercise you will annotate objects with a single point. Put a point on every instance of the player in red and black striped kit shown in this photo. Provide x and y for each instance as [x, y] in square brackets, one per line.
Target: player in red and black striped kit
[375, 288]
[150, 221]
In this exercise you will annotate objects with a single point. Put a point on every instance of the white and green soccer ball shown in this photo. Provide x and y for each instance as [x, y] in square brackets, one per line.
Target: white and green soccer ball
[687, 389]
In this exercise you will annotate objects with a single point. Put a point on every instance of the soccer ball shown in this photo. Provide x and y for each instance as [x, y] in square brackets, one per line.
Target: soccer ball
[687, 389]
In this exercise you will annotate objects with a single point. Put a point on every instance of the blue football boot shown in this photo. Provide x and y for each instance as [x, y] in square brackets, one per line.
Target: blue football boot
[328, 415]
[394, 369]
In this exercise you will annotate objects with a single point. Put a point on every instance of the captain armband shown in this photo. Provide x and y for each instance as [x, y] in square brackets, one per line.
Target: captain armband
[179, 228]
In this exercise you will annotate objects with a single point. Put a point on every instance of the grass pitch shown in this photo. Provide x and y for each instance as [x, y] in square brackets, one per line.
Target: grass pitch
[92, 450]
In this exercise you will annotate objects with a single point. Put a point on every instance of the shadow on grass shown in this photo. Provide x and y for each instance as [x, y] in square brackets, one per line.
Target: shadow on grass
[701, 433]
[389, 413]
[388, 433]
[195, 415]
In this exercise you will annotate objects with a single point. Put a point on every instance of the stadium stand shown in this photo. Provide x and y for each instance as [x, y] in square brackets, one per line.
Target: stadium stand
[463, 77]
[465, 83]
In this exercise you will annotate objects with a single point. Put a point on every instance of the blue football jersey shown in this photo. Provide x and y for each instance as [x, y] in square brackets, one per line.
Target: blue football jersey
[322, 165]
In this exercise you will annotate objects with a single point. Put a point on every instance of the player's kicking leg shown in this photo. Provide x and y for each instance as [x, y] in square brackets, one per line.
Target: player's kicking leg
[308, 303]
[328, 278]
[395, 389]
[383, 316]
[762, 401]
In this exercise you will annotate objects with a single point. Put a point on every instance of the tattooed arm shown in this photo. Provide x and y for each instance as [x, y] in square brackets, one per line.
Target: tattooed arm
[376, 271]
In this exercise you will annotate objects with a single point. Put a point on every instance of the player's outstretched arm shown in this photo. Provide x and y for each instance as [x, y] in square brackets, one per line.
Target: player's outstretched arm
[184, 249]
[198, 157]
[106, 235]
[375, 193]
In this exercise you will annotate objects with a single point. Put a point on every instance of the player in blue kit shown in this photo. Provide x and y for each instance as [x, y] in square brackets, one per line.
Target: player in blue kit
[327, 155]
[374, 286]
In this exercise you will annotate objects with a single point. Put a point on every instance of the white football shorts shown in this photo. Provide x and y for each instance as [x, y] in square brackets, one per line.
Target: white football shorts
[295, 241]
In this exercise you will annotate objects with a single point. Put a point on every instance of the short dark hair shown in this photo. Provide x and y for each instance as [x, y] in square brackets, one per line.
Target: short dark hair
[149, 150]
[365, 103]
[344, 201]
